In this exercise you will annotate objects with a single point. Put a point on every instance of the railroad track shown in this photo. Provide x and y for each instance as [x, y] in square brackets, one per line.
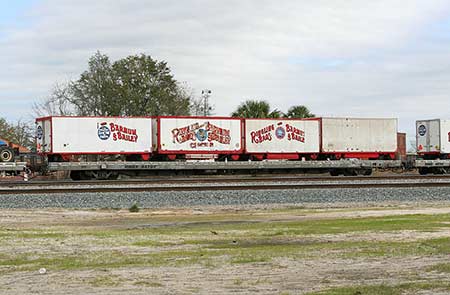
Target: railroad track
[225, 184]
[215, 179]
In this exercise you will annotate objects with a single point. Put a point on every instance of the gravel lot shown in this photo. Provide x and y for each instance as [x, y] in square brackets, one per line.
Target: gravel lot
[221, 198]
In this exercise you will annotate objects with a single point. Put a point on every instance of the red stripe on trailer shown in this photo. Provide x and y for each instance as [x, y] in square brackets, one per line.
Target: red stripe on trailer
[282, 156]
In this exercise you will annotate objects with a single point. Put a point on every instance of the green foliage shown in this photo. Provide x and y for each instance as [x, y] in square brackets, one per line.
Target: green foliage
[262, 109]
[299, 111]
[255, 109]
[146, 87]
[133, 86]
[94, 93]
[134, 208]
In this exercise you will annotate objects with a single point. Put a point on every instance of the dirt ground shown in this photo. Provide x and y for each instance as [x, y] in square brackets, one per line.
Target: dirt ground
[280, 275]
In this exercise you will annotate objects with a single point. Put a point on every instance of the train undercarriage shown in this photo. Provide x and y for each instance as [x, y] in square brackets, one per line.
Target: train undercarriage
[113, 169]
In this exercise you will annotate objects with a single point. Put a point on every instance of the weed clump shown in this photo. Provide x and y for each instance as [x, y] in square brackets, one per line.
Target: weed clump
[134, 208]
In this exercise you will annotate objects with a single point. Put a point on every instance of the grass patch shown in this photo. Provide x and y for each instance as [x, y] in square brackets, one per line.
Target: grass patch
[250, 259]
[134, 208]
[151, 284]
[302, 227]
[386, 289]
[233, 241]
[105, 281]
[32, 234]
[441, 268]
[234, 254]
[152, 243]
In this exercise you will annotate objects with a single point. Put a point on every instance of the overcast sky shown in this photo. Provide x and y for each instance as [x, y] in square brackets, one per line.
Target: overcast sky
[340, 58]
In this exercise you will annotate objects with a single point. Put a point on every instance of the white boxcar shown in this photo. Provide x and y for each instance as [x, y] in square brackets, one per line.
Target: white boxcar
[197, 135]
[433, 136]
[94, 135]
[359, 135]
[282, 136]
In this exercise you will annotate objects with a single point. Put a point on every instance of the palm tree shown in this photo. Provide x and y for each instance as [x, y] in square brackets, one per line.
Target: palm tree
[299, 111]
[255, 109]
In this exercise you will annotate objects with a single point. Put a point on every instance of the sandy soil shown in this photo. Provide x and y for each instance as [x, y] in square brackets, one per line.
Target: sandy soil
[281, 275]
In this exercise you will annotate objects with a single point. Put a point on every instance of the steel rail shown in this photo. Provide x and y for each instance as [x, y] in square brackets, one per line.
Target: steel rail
[215, 179]
[252, 187]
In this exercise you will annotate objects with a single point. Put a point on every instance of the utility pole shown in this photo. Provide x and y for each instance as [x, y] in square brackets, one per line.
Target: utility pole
[206, 93]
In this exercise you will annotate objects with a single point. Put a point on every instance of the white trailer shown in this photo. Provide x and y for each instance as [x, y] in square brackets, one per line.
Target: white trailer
[359, 135]
[94, 135]
[433, 136]
[281, 136]
[197, 135]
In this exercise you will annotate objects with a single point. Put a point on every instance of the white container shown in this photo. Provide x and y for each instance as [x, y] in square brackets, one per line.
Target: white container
[433, 136]
[282, 136]
[94, 135]
[197, 135]
[359, 135]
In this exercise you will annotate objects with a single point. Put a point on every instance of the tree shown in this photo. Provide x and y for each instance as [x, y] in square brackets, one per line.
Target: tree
[146, 87]
[20, 133]
[6, 129]
[23, 134]
[57, 104]
[133, 86]
[255, 109]
[94, 93]
[299, 111]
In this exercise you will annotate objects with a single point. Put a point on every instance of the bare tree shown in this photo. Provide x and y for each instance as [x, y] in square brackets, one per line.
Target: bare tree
[58, 103]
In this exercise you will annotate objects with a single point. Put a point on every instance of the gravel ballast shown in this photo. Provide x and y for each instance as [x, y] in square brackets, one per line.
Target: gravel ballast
[224, 198]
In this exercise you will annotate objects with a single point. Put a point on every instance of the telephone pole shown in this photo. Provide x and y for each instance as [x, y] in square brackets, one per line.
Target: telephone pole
[206, 93]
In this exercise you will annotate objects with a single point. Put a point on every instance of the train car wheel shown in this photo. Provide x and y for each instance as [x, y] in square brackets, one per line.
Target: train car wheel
[367, 172]
[6, 154]
[423, 171]
[335, 172]
[80, 175]
[350, 172]
[364, 171]
[75, 175]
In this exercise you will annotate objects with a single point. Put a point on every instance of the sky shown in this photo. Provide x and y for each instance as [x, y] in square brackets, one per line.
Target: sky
[386, 58]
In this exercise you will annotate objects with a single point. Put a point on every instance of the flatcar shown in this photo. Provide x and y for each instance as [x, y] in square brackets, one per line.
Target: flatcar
[170, 138]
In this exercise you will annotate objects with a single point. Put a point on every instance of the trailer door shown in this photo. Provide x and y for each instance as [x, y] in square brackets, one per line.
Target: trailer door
[428, 136]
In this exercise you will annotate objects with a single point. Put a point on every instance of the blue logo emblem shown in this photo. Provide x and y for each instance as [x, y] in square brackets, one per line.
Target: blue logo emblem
[202, 134]
[39, 132]
[422, 130]
[103, 132]
[280, 132]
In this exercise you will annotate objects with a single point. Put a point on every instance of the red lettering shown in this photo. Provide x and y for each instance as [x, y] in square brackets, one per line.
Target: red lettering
[215, 133]
[263, 134]
[120, 132]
